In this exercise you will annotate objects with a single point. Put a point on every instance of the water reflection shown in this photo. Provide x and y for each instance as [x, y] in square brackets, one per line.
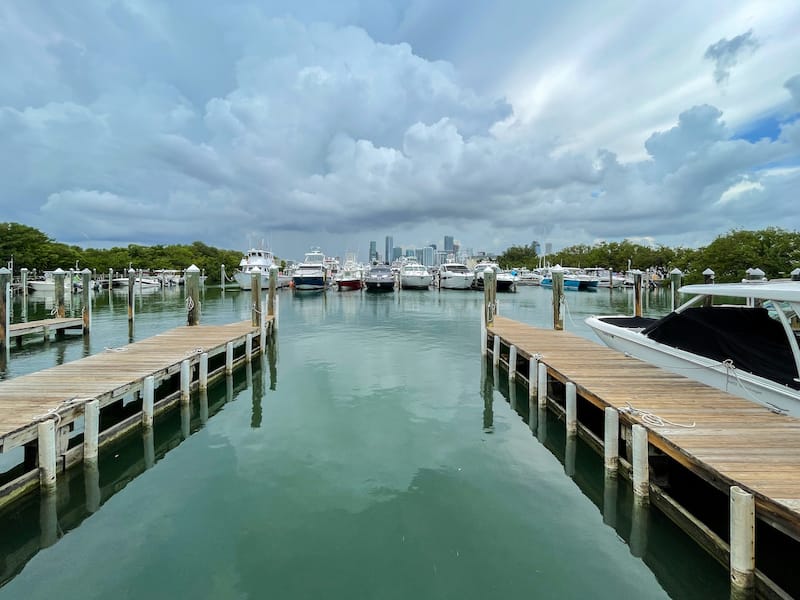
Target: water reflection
[37, 521]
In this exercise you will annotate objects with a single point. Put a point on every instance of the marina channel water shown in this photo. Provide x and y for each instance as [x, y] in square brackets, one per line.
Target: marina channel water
[370, 454]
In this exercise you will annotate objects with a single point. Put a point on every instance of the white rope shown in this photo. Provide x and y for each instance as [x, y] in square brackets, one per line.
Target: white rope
[255, 310]
[53, 412]
[197, 350]
[189, 303]
[651, 419]
[107, 349]
[54, 311]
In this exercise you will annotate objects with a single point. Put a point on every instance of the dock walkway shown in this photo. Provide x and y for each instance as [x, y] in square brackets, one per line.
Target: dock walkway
[107, 376]
[733, 442]
[44, 326]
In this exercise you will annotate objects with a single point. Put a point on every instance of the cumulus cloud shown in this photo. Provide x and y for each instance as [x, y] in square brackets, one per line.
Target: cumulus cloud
[793, 85]
[163, 124]
[726, 53]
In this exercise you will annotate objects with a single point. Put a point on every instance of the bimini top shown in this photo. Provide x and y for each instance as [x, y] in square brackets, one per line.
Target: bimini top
[781, 291]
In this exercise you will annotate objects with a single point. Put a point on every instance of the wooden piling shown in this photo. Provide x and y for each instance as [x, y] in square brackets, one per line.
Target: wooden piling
[222, 277]
[611, 440]
[742, 535]
[675, 276]
[262, 335]
[533, 375]
[91, 429]
[641, 463]
[110, 279]
[148, 400]
[203, 377]
[572, 408]
[229, 358]
[484, 338]
[192, 290]
[541, 384]
[557, 273]
[273, 288]
[255, 296]
[131, 292]
[86, 282]
[5, 309]
[186, 381]
[496, 351]
[512, 363]
[248, 348]
[489, 295]
[47, 454]
[58, 293]
[637, 293]
[23, 279]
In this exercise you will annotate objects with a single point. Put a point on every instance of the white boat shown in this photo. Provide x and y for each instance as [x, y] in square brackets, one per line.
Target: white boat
[455, 276]
[47, 282]
[527, 277]
[379, 278]
[414, 276]
[504, 282]
[606, 278]
[311, 274]
[256, 259]
[143, 282]
[750, 349]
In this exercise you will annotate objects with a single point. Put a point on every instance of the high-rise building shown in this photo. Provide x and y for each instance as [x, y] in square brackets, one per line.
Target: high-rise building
[397, 252]
[411, 252]
[387, 255]
[536, 247]
[419, 256]
[548, 248]
[428, 256]
[448, 243]
[373, 251]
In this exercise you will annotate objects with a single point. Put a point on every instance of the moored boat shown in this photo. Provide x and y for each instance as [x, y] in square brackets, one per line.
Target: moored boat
[455, 276]
[351, 276]
[504, 282]
[253, 259]
[750, 349]
[310, 274]
[379, 278]
[414, 276]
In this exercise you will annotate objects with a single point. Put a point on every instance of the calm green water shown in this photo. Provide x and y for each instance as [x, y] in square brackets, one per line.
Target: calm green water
[370, 455]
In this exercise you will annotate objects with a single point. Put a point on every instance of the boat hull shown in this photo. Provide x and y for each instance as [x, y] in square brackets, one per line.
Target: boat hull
[450, 282]
[379, 286]
[349, 284]
[415, 282]
[308, 282]
[711, 372]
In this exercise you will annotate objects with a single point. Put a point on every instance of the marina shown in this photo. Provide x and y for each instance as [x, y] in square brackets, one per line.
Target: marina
[309, 433]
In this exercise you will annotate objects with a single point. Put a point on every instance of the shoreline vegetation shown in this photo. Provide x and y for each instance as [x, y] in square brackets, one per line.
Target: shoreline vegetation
[774, 250]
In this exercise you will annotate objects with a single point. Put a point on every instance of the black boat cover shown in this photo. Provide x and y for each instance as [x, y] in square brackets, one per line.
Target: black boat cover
[754, 341]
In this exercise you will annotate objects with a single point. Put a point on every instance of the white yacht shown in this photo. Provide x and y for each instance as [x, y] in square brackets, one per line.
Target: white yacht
[749, 349]
[254, 259]
[504, 282]
[311, 274]
[455, 276]
[414, 276]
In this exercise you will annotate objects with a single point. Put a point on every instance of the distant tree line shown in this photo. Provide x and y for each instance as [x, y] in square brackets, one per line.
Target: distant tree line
[774, 250]
[33, 249]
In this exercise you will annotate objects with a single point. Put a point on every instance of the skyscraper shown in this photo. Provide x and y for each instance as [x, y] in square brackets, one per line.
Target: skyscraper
[448, 243]
[387, 255]
[373, 251]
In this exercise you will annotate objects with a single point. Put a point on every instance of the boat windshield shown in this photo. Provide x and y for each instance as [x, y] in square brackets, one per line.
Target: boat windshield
[455, 268]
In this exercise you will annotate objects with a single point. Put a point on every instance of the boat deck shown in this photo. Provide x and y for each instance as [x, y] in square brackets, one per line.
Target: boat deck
[732, 441]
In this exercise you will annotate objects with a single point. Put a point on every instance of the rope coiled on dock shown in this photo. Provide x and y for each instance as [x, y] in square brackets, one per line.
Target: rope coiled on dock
[652, 419]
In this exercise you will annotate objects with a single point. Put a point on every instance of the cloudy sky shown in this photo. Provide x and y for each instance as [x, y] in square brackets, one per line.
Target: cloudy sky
[311, 122]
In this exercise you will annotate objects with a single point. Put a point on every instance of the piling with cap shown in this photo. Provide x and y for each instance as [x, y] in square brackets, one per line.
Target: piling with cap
[23, 277]
[273, 289]
[192, 285]
[58, 291]
[489, 295]
[203, 376]
[86, 282]
[675, 278]
[131, 292]
[637, 293]
[557, 275]
[5, 308]
[255, 295]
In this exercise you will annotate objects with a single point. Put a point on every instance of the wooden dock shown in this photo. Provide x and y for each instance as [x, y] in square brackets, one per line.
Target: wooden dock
[722, 439]
[43, 327]
[61, 393]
